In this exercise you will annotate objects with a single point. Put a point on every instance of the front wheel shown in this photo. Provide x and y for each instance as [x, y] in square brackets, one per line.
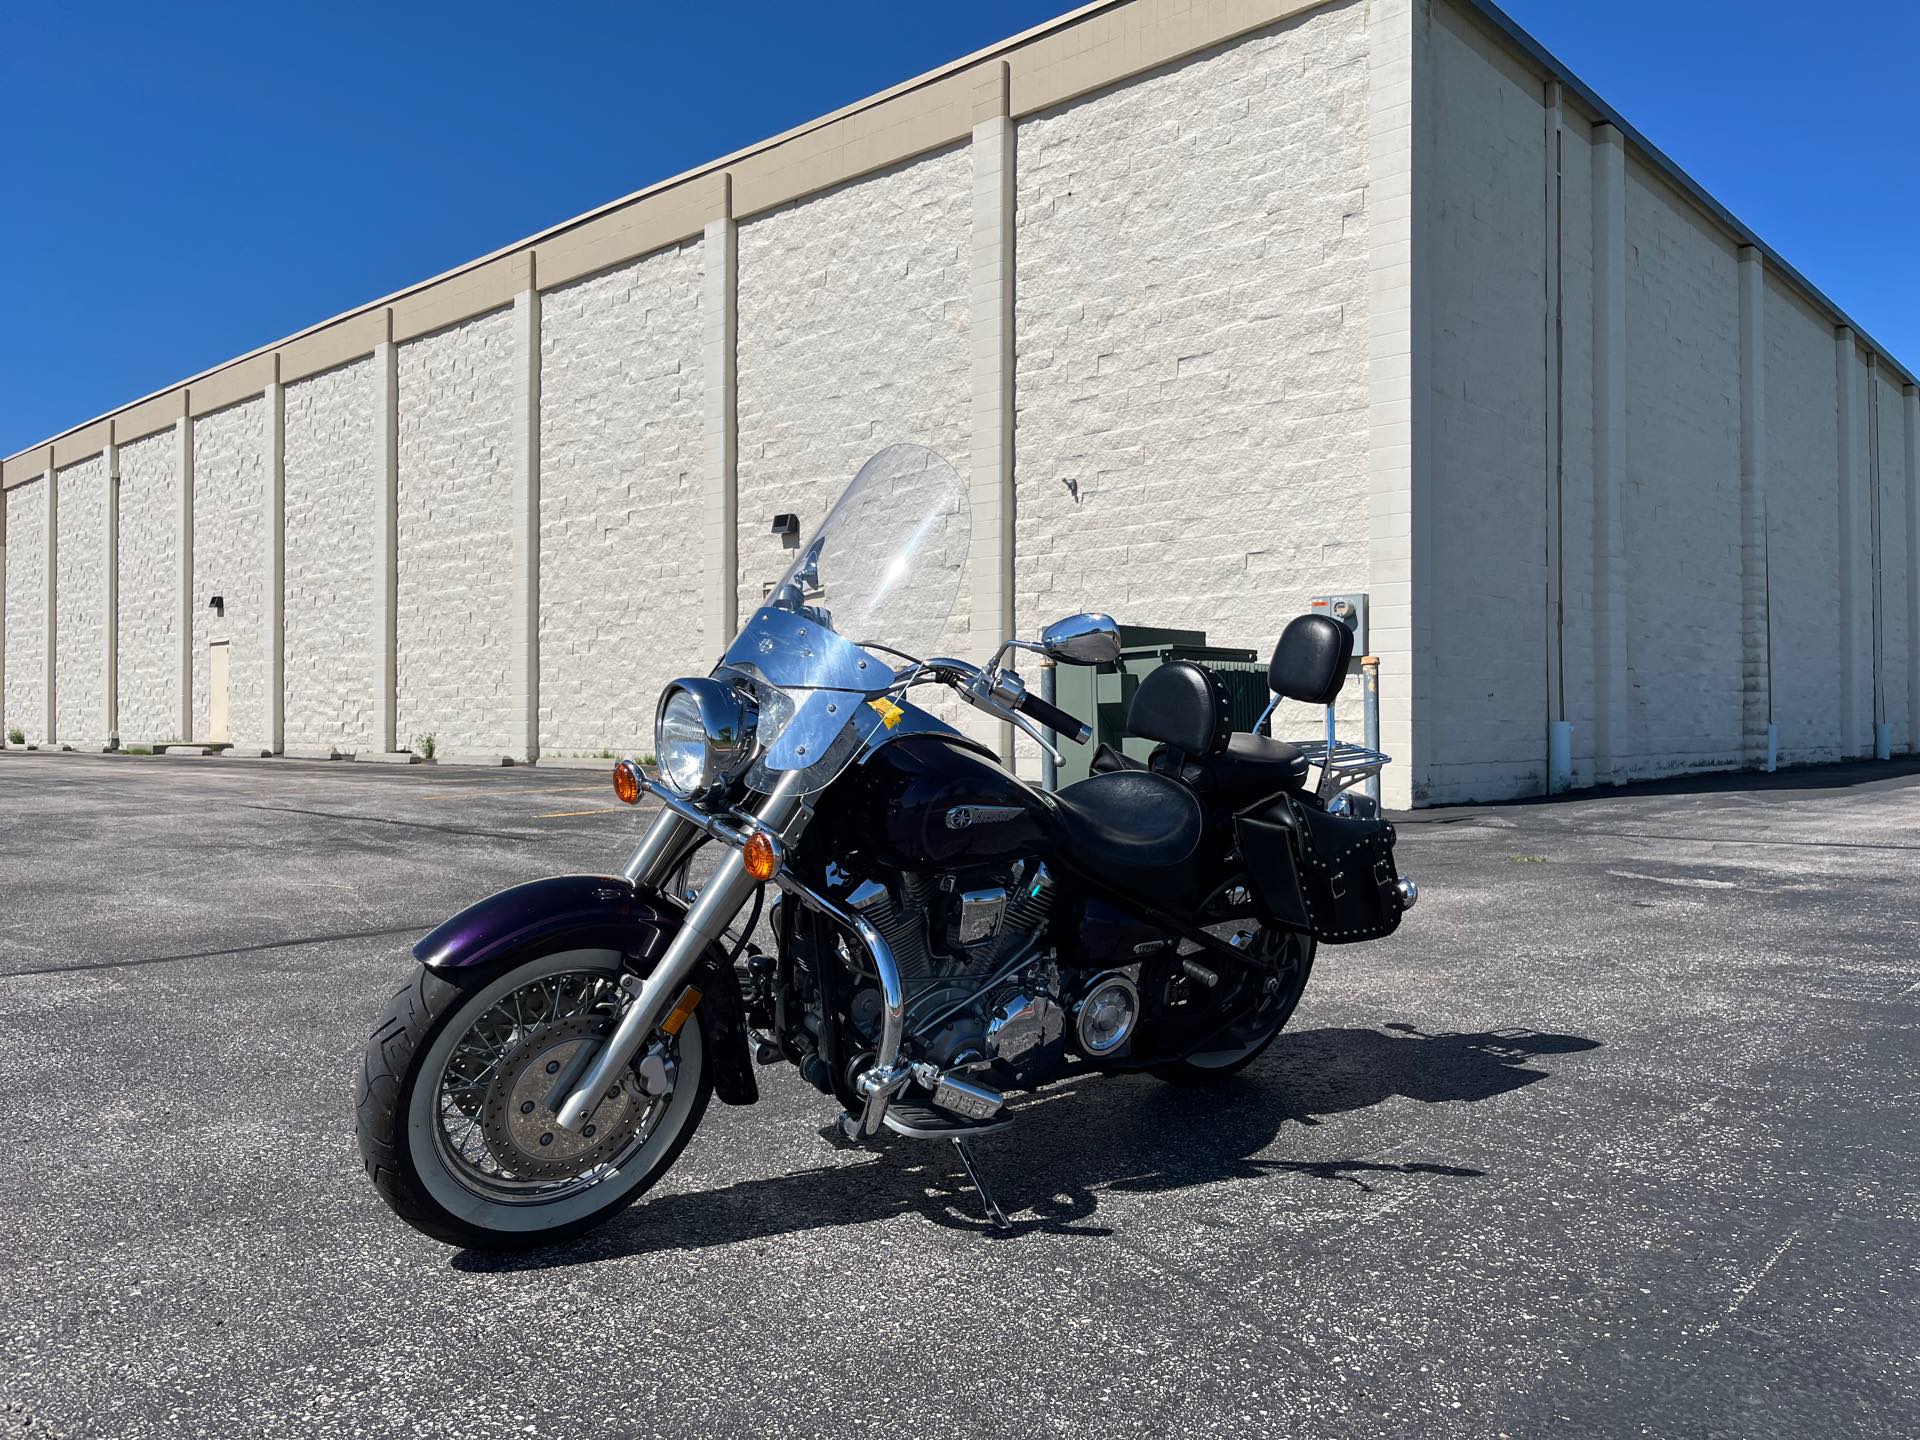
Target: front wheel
[454, 1102]
[1244, 1042]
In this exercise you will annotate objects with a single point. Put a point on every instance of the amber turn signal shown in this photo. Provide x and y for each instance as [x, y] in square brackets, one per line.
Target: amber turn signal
[760, 857]
[626, 782]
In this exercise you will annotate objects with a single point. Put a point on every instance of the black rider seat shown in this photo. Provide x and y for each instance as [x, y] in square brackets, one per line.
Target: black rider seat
[1132, 829]
[1251, 768]
[1186, 707]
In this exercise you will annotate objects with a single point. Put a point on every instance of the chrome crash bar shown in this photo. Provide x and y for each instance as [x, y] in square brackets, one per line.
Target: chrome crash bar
[720, 899]
[886, 1077]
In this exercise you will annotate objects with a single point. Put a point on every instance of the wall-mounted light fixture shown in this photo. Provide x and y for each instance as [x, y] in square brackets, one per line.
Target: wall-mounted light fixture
[218, 604]
[787, 525]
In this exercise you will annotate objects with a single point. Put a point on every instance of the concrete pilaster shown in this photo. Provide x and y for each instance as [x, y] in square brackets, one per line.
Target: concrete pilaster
[1609, 452]
[991, 282]
[1559, 728]
[720, 489]
[1399, 356]
[3, 617]
[50, 594]
[1852, 536]
[1756, 666]
[1910, 411]
[273, 610]
[523, 690]
[386, 552]
[110, 582]
[183, 555]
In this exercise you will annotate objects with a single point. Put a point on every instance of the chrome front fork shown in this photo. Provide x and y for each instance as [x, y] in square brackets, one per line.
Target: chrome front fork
[721, 898]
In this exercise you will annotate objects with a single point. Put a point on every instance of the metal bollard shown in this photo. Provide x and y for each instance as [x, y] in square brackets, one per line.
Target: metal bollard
[1370, 705]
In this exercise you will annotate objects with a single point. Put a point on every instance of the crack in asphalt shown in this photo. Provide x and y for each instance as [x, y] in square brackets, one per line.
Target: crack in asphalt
[518, 835]
[214, 954]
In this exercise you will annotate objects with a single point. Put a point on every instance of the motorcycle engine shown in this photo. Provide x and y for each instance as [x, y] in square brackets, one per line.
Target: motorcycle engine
[980, 986]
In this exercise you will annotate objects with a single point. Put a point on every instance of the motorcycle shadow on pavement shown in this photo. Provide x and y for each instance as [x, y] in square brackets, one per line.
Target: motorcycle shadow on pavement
[1135, 1135]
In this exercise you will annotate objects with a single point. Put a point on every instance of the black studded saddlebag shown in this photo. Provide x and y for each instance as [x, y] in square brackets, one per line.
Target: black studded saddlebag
[1331, 876]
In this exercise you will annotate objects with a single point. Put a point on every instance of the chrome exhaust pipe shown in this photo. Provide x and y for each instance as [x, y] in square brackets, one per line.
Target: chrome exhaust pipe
[1408, 892]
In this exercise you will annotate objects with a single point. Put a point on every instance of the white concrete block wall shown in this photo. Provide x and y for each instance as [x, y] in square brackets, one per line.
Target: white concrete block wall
[455, 549]
[25, 707]
[332, 475]
[229, 560]
[81, 603]
[149, 675]
[1214, 262]
[1487, 231]
[1681, 511]
[1803, 536]
[853, 317]
[1191, 342]
[853, 329]
[621, 582]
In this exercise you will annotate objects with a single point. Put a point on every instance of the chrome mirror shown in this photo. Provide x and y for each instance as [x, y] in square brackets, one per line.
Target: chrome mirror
[1082, 640]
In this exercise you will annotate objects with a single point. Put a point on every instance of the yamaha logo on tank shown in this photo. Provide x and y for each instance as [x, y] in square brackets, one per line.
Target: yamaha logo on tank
[961, 816]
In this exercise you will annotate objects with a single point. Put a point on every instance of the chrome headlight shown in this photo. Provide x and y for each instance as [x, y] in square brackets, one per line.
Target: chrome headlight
[702, 735]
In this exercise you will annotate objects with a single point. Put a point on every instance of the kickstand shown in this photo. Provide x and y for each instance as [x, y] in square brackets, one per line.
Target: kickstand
[994, 1213]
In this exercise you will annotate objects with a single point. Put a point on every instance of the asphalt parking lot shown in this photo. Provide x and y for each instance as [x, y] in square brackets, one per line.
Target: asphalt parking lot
[1616, 1137]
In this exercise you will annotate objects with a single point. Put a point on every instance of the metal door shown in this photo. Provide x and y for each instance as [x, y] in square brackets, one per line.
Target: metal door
[217, 692]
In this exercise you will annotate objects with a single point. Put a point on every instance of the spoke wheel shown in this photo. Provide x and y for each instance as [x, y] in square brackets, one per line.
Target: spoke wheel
[457, 1122]
[497, 1133]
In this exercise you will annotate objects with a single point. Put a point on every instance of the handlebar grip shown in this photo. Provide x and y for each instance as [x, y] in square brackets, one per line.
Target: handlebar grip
[1055, 719]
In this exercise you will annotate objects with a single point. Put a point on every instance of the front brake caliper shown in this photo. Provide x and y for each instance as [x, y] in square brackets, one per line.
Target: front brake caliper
[655, 1071]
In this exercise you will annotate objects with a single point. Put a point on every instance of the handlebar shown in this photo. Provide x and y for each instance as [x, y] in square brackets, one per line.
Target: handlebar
[1055, 719]
[999, 692]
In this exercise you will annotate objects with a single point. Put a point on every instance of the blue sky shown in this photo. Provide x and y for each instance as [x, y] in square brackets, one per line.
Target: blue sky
[181, 183]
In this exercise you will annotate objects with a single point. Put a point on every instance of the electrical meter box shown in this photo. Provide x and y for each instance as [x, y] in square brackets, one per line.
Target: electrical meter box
[1350, 610]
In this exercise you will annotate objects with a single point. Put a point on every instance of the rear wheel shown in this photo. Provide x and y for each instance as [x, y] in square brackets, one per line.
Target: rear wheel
[455, 1102]
[1243, 1042]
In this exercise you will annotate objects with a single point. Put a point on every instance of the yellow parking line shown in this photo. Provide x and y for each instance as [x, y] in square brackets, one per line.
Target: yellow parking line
[525, 794]
[567, 814]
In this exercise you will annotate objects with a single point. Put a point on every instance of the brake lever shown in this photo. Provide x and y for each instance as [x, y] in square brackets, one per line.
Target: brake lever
[1038, 739]
[983, 693]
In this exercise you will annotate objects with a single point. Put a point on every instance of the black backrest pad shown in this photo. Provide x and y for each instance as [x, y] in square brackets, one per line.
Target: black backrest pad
[1310, 662]
[1183, 705]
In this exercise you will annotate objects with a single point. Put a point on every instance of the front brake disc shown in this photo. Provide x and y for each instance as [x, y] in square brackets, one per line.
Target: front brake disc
[520, 1130]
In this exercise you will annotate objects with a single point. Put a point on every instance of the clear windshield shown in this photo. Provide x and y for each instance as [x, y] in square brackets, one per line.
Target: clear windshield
[882, 574]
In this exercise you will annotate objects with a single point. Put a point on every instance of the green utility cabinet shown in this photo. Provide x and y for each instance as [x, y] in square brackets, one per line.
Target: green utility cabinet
[1100, 694]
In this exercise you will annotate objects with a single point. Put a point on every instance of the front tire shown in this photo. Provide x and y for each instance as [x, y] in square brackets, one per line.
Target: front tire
[451, 1096]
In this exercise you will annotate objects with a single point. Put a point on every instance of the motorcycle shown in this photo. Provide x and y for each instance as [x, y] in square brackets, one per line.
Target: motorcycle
[942, 933]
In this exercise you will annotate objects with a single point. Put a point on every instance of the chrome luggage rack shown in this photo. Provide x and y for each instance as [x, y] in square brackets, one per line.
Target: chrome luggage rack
[1342, 763]
[1348, 766]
